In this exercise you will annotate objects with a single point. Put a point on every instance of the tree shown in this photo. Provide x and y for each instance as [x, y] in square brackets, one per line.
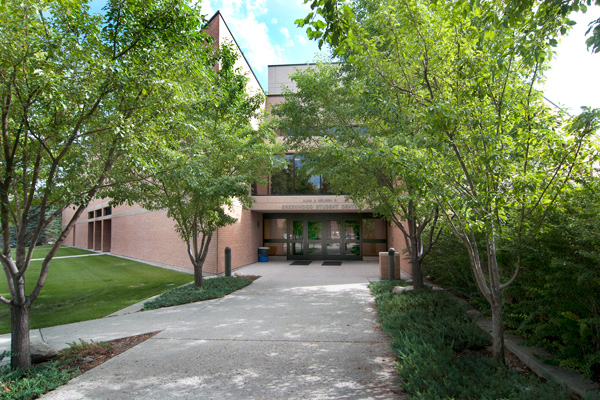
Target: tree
[364, 147]
[331, 20]
[546, 14]
[500, 157]
[79, 95]
[211, 158]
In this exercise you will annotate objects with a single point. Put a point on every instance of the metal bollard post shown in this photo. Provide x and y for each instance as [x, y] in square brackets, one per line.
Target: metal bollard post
[392, 265]
[227, 261]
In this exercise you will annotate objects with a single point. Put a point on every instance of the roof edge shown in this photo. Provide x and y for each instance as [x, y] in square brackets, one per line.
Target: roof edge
[218, 13]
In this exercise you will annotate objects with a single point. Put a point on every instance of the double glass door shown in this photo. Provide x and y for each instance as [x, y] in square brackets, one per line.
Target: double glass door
[323, 239]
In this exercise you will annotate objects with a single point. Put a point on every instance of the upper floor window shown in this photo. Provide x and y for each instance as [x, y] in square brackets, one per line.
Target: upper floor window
[294, 178]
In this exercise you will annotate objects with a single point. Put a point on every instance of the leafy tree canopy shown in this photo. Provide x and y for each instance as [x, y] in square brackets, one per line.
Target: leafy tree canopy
[465, 72]
[82, 95]
[365, 146]
[216, 148]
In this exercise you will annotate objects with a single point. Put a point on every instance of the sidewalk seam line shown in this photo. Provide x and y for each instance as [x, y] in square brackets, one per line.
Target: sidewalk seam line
[276, 340]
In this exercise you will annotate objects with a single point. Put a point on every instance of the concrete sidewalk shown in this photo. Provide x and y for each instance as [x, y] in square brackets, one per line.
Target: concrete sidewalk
[298, 332]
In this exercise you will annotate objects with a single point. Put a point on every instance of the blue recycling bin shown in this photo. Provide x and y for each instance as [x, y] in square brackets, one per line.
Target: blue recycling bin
[263, 254]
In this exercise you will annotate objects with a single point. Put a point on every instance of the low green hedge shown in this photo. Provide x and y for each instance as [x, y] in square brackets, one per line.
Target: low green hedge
[434, 339]
[35, 381]
[213, 288]
[25, 384]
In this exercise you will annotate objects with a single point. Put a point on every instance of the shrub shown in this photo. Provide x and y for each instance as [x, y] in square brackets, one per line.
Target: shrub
[213, 288]
[84, 349]
[386, 286]
[434, 341]
[24, 384]
[554, 303]
[31, 383]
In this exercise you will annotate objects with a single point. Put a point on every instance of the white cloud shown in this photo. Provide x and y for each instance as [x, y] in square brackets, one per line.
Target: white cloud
[256, 6]
[274, 21]
[303, 5]
[252, 36]
[301, 39]
[289, 43]
[285, 32]
[206, 8]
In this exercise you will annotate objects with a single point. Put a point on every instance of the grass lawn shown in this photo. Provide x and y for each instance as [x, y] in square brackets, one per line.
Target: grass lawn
[41, 251]
[83, 288]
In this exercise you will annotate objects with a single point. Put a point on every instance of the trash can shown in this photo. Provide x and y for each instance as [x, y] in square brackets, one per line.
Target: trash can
[263, 254]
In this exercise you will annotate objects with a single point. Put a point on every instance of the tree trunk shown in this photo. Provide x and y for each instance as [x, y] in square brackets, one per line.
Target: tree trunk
[496, 300]
[417, 272]
[198, 274]
[19, 346]
[498, 332]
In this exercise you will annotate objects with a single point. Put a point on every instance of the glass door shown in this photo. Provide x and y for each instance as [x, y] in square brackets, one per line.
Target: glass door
[314, 243]
[297, 235]
[307, 239]
[333, 240]
[324, 238]
[352, 240]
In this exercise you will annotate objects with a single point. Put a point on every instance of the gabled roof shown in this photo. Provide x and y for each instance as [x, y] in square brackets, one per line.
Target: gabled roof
[218, 14]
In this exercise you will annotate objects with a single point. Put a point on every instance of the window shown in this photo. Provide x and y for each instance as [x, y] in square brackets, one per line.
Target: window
[294, 178]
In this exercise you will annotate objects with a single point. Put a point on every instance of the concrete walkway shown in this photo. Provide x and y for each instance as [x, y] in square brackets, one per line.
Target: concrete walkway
[299, 332]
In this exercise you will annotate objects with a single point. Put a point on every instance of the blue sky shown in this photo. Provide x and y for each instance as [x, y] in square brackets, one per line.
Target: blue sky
[266, 32]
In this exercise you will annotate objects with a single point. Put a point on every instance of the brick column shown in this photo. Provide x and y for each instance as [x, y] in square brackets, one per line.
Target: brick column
[384, 262]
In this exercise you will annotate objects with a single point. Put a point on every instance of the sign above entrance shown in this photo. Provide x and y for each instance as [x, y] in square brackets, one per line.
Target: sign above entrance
[319, 207]
[303, 203]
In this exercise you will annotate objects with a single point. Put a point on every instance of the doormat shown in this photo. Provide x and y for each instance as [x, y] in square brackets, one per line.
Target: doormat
[332, 263]
[301, 262]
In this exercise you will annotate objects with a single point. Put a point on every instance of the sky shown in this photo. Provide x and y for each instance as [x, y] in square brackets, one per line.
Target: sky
[266, 33]
[574, 79]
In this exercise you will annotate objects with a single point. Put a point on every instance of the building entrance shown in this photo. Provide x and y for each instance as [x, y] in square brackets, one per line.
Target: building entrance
[324, 239]
[324, 236]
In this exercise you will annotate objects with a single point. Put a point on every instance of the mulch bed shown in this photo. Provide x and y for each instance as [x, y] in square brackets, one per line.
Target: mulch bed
[512, 361]
[99, 355]
[251, 277]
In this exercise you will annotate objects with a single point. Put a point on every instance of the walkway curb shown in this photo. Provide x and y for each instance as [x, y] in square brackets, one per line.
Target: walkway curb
[572, 381]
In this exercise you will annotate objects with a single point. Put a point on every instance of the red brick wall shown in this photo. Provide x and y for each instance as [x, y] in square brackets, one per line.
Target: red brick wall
[244, 237]
[151, 236]
[79, 234]
[262, 190]
[148, 236]
[213, 30]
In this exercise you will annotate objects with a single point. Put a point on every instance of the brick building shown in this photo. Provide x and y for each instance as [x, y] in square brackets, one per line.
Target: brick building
[293, 215]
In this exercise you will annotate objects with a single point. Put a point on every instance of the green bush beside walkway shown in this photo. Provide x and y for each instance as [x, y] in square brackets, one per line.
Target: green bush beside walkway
[437, 347]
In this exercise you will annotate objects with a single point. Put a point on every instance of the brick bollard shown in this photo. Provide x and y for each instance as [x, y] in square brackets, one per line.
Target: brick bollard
[384, 262]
